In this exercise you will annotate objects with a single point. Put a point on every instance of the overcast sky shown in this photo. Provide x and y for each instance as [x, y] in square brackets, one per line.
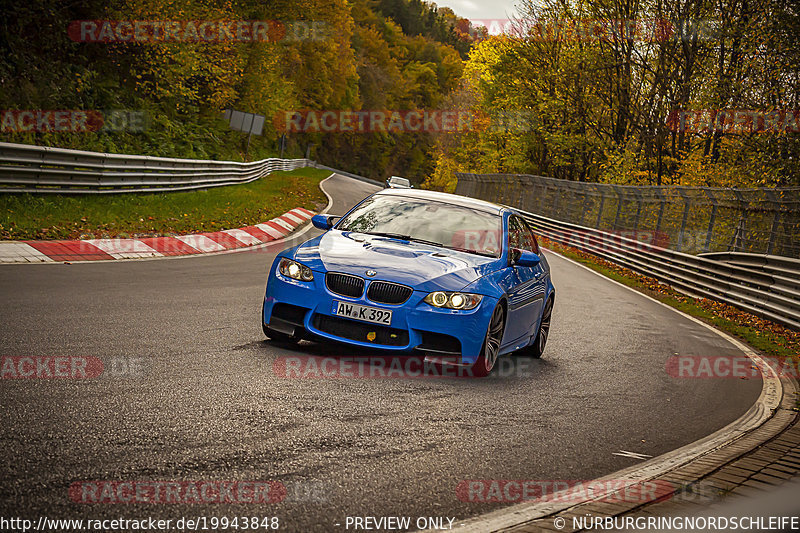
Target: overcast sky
[480, 9]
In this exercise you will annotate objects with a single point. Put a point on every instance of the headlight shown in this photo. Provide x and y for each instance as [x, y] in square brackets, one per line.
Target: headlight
[454, 300]
[294, 270]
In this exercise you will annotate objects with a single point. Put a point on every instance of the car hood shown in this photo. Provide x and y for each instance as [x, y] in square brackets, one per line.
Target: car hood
[420, 266]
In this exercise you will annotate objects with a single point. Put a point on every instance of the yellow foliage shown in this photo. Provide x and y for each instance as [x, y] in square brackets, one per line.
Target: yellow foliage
[443, 177]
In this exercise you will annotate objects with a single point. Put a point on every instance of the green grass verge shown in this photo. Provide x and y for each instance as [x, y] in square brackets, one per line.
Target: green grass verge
[45, 216]
[770, 339]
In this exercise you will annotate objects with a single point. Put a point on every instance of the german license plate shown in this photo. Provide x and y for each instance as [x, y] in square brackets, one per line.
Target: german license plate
[362, 312]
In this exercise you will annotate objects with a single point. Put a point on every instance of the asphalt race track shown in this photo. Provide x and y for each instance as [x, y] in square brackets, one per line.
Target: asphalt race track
[194, 396]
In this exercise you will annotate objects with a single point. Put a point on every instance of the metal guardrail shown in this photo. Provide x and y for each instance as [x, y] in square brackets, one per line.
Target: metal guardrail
[758, 292]
[350, 175]
[684, 219]
[764, 285]
[784, 267]
[39, 169]
[785, 271]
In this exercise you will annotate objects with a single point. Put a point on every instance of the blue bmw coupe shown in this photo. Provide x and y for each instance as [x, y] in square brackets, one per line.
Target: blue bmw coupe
[457, 279]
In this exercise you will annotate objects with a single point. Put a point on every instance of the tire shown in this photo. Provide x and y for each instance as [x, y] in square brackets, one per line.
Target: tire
[536, 349]
[279, 337]
[491, 343]
[276, 335]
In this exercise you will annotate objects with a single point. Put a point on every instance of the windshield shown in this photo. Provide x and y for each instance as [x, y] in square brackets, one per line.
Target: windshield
[437, 223]
[399, 181]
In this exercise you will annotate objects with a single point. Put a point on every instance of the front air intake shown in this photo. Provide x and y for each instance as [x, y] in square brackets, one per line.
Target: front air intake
[388, 293]
[344, 284]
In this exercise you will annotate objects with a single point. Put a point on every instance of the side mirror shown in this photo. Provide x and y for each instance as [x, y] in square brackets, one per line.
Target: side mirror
[525, 258]
[323, 221]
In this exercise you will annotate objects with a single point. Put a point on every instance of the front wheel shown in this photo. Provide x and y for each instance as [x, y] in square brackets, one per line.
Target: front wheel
[491, 344]
[276, 336]
[537, 348]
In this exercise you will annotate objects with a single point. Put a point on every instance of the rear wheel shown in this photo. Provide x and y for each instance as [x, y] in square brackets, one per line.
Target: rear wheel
[491, 344]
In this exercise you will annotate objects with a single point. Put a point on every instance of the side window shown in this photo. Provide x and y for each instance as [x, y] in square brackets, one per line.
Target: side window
[520, 235]
[533, 243]
[515, 233]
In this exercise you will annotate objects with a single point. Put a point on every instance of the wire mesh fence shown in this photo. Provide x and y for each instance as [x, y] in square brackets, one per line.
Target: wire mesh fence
[686, 219]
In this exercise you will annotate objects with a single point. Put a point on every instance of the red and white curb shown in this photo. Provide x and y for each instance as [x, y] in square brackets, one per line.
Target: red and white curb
[107, 249]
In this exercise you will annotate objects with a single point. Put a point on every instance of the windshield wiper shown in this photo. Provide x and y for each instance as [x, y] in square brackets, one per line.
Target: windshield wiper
[456, 248]
[408, 238]
[401, 237]
[431, 243]
[388, 235]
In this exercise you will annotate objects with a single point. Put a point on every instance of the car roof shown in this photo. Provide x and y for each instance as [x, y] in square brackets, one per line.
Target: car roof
[454, 199]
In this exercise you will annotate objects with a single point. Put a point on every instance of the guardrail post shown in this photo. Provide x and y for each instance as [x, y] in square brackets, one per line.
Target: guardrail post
[510, 190]
[738, 238]
[520, 190]
[685, 219]
[568, 195]
[620, 202]
[554, 206]
[104, 165]
[584, 207]
[497, 190]
[776, 220]
[464, 184]
[528, 189]
[639, 202]
[40, 164]
[711, 219]
[542, 198]
[602, 192]
[663, 204]
[738, 235]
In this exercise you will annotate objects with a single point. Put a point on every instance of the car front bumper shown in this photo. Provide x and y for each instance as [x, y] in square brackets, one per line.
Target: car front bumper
[445, 333]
